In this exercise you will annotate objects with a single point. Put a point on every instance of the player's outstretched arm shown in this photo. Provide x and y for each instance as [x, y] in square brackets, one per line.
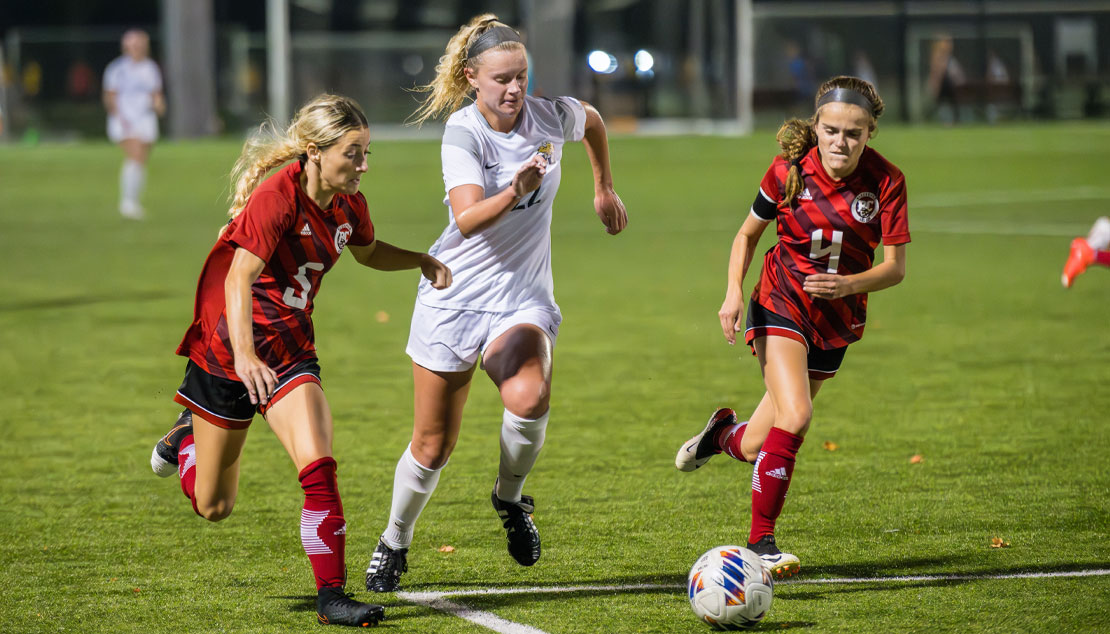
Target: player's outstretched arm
[383, 256]
[609, 207]
[887, 273]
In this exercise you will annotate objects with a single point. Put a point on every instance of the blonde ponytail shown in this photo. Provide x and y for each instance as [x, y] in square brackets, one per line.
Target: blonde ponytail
[322, 121]
[263, 151]
[449, 90]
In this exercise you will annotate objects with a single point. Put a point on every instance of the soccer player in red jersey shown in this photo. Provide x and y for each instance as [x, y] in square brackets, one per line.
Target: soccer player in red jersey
[833, 200]
[1094, 249]
[250, 346]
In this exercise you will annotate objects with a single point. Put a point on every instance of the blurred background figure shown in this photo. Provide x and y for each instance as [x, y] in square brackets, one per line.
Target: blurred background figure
[1094, 249]
[1001, 90]
[134, 100]
[802, 76]
[863, 68]
[946, 77]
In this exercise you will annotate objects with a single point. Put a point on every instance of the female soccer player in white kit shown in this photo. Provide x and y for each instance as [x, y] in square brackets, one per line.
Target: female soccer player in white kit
[501, 169]
[133, 98]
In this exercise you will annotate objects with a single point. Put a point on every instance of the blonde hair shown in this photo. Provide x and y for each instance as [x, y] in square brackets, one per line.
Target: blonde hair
[449, 90]
[322, 121]
[797, 137]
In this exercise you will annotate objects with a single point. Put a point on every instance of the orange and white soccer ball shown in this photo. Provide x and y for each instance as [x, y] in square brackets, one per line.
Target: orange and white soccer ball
[729, 589]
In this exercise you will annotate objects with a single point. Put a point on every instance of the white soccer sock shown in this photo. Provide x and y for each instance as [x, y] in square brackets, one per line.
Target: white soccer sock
[1099, 238]
[132, 177]
[413, 484]
[521, 441]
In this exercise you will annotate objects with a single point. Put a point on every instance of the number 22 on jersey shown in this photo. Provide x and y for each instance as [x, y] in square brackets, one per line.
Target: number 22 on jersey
[817, 249]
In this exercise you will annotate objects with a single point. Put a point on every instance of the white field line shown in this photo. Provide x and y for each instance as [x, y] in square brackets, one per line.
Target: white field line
[488, 620]
[1003, 197]
[1009, 196]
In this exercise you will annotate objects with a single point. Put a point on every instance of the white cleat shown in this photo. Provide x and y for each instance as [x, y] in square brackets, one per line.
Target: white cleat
[699, 449]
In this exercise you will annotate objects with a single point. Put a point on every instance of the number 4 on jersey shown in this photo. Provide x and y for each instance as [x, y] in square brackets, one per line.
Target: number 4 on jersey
[817, 251]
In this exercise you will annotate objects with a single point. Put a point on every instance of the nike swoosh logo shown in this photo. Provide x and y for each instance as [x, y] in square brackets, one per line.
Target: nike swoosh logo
[689, 448]
[492, 165]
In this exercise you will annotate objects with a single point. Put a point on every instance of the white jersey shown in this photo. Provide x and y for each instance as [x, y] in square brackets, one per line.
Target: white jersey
[506, 266]
[134, 83]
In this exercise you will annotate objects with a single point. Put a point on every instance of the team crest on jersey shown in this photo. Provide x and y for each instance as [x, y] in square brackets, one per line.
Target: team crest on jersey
[546, 150]
[342, 235]
[865, 206]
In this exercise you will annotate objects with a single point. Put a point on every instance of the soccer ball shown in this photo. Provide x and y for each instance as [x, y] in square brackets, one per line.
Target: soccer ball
[729, 589]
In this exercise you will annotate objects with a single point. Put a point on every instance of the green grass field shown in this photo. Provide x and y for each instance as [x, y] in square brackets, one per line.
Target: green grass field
[979, 362]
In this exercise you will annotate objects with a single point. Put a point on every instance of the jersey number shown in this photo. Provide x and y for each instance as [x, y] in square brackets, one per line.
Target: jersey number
[531, 201]
[833, 250]
[291, 298]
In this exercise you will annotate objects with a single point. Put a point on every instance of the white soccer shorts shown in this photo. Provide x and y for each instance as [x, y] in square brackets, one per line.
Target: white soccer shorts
[450, 340]
[143, 128]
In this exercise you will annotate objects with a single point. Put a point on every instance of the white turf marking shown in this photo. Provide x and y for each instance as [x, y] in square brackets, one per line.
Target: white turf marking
[488, 620]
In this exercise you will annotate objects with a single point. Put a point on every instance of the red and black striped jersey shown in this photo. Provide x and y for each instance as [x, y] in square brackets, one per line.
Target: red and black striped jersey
[299, 242]
[830, 227]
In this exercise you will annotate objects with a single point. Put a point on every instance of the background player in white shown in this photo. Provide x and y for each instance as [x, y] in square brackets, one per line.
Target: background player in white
[501, 170]
[133, 97]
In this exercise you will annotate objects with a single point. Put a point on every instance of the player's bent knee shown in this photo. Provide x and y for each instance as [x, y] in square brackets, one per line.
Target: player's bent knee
[795, 419]
[216, 511]
[526, 399]
[432, 452]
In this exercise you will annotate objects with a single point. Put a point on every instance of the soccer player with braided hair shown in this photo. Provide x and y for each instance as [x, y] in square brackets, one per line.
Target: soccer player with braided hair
[833, 199]
[501, 158]
[251, 344]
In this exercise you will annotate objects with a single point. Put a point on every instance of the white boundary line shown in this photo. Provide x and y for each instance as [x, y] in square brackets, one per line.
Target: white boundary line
[490, 621]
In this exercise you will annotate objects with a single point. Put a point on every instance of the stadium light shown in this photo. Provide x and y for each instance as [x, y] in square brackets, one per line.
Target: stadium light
[602, 62]
[644, 61]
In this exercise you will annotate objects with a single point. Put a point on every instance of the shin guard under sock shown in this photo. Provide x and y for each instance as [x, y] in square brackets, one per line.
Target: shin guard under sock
[771, 479]
[323, 529]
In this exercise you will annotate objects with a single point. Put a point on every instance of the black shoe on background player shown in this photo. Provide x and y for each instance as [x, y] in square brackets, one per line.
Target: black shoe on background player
[516, 517]
[163, 460]
[386, 565]
[334, 607]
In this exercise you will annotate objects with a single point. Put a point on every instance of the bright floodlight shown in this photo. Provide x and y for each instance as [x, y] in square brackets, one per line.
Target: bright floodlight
[602, 62]
[644, 61]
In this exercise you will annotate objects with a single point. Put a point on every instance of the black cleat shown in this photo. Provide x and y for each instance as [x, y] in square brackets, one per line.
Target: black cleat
[334, 607]
[163, 460]
[699, 449]
[781, 565]
[386, 565]
[516, 517]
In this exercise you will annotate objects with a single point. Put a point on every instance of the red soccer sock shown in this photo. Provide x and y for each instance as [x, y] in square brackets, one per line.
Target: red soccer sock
[187, 469]
[771, 479]
[728, 440]
[1102, 258]
[323, 529]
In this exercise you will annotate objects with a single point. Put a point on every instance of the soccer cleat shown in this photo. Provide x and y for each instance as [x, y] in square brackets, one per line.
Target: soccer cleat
[1079, 258]
[516, 517]
[163, 460]
[386, 565]
[699, 449]
[334, 607]
[781, 565]
[131, 210]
